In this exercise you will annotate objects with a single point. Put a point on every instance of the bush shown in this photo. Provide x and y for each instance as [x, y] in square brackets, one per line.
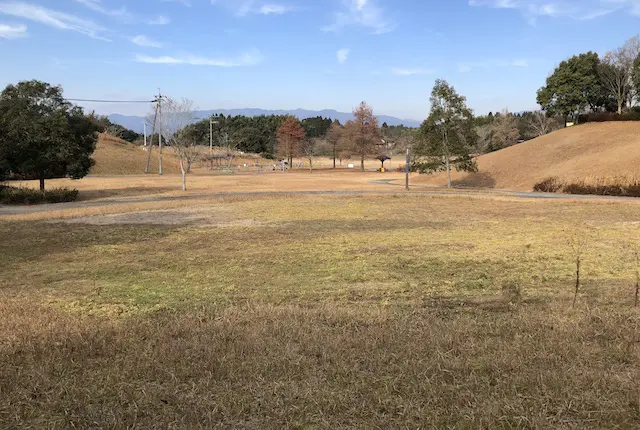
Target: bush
[621, 186]
[28, 196]
[549, 185]
[609, 116]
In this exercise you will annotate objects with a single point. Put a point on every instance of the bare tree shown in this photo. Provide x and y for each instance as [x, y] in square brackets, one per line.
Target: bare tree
[309, 147]
[540, 124]
[289, 137]
[335, 137]
[504, 131]
[616, 72]
[616, 77]
[178, 115]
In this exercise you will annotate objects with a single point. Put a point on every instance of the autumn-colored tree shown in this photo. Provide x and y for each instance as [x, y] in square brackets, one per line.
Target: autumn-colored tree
[504, 131]
[289, 136]
[363, 132]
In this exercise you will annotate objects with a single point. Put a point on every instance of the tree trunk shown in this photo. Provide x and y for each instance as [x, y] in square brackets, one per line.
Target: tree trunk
[42, 183]
[445, 142]
[362, 163]
[446, 160]
[310, 165]
[619, 107]
[334, 156]
[184, 175]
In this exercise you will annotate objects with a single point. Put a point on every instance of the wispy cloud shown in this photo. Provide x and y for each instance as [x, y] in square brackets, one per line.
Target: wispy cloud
[97, 6]
[159, 20]
[142, 40]
[363, 13]
[411, 72]
[186, 3]
[247, 7]
[251, 58]
[10, 31]
[573, 9]
[52, 18]
[342, 55]
[490, 64]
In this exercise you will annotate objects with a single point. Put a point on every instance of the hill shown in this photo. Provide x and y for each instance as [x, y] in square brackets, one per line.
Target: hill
[135, 123]
[114, 156]
[595, 149]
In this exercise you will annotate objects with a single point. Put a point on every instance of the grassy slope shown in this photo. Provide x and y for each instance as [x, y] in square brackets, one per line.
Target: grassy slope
[117, 157]
[606, 149]
[322, 312]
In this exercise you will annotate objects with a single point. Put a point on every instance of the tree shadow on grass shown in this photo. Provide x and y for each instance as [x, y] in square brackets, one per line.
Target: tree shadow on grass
[476, 180]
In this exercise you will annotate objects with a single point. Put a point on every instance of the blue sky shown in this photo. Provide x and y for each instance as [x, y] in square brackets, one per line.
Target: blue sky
[313, 54]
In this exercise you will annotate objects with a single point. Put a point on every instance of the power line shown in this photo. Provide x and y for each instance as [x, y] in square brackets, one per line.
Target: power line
[111, 101]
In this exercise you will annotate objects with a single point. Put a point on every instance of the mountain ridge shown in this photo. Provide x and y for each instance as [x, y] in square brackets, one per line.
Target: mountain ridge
[135, 123]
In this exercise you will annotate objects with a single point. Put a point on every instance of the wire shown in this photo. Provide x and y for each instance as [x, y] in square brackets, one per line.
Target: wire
[112, 101]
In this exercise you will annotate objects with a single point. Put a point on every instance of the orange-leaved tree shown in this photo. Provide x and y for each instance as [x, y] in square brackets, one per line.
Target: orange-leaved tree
[363, 132]
[289, 136]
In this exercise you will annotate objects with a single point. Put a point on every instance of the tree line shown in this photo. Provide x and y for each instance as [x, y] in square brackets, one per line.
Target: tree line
[586, 83]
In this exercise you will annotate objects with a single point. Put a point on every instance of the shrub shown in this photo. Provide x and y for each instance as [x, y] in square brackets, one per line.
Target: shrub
[609, 116]
[621, 186]
[28, 196]
[549, 185]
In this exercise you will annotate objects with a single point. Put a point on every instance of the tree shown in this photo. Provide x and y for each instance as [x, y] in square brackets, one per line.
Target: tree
[289, 136]
[42, 135]
[309, 147]
[574, 85]
[363, 132]
[540, 124]
[447, 134]
[335, 137]
[615, 76]
[177, 116]
[504, 131]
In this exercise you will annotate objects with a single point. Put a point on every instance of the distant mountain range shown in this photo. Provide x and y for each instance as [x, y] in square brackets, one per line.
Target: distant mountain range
[135, 123]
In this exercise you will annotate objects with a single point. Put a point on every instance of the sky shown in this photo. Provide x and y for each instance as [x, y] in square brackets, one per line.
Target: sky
[311, 54]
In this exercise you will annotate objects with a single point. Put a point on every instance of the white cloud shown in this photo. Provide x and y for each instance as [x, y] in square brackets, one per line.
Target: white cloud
[159, 20]
[9, 31]
[274, 9]
[363, 13]
[246, 7]
[490, 64]
[52, 18]
[96, 6]
[186, 3]
[251, 58]
[342, 55]
[573, 9]
[142, 40]
[411, 72]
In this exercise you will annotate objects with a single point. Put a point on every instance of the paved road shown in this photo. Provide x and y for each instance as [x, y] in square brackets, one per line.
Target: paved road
[394, 188]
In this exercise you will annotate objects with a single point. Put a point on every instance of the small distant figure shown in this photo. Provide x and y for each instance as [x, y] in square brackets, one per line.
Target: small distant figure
[283, 165]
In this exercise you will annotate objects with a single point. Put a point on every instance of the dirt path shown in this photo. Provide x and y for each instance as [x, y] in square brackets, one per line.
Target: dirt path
[394, 188]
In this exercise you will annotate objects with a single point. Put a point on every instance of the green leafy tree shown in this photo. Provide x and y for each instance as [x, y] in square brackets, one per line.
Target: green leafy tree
[42, 135]
[447, 135]
[573, 86]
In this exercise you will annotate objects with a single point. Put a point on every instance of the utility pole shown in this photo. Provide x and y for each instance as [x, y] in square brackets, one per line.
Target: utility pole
[406, 168]
[153, 132]
[160, 134]
[210, 136]
[145, 133]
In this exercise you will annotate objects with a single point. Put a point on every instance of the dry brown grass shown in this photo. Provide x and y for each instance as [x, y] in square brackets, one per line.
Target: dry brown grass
[594, 149]
[322, 312]
[116, 157]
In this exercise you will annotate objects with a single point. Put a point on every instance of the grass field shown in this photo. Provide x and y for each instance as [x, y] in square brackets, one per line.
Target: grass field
[320, 312]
